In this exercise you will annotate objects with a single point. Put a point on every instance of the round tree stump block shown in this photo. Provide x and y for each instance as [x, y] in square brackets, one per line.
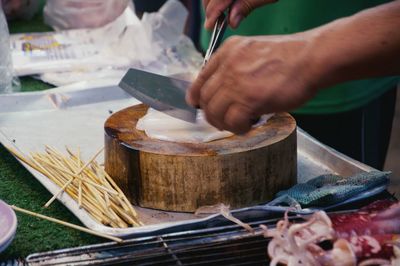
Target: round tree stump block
[238, 171]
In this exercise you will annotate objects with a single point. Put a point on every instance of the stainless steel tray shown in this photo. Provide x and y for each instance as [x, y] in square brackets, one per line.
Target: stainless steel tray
[314, 158]
[75, 106]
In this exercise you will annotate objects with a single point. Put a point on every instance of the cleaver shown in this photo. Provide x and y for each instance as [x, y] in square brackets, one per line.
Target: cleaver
[159, 92]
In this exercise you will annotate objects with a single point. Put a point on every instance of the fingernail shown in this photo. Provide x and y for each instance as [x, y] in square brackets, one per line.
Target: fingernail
[236, 20]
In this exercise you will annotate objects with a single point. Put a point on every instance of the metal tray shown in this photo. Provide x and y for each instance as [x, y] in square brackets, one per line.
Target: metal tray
[314, 159]
[21, 112]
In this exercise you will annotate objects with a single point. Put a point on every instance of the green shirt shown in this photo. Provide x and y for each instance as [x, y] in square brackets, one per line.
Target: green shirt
[290, 16]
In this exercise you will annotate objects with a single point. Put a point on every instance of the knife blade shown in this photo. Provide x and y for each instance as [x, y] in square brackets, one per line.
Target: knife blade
[159, 92]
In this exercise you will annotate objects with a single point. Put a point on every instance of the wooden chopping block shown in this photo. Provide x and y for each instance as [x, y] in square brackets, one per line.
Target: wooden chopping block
[238, 171]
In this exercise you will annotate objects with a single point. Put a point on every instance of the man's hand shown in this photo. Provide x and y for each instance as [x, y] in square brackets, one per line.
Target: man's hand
[240, 9]
[251, 76]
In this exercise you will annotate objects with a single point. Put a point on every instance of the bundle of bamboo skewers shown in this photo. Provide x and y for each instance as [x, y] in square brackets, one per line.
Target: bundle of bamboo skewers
[87, 183]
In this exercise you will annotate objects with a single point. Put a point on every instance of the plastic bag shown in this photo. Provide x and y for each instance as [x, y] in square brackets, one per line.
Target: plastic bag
[155, 44]
[76, 14]
[6, 70]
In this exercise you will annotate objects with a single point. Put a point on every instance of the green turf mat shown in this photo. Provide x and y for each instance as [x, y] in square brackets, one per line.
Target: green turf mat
[20, 188]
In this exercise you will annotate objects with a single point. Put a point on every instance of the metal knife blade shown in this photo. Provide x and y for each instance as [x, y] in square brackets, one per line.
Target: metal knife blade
[159, 92]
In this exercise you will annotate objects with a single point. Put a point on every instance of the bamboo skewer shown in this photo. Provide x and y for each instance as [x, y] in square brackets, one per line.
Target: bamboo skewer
[58, 193]
[86, 183]
[72, 179]
[77, 176]
[109, 179]
[80, 181]
[90, 161]
[80, 194]
[74, 226]
[90, 206]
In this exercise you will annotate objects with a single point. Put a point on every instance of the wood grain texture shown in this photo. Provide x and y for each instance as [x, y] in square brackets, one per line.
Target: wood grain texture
[239, 171]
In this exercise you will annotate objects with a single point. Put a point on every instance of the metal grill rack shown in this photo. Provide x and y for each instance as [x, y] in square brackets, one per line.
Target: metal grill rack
[223, 245]
[227, 245]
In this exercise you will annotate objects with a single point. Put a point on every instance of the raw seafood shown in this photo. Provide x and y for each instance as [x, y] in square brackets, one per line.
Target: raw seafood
[164, 127]
[370, 236]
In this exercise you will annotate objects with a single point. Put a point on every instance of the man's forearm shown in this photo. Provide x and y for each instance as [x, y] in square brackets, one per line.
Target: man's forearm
[364, 45]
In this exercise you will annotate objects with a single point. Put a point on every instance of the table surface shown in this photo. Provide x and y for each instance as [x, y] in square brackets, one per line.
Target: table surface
[20, 188]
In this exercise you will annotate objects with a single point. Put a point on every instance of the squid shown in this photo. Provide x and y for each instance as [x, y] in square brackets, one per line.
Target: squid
[370, 236]
[160, 126]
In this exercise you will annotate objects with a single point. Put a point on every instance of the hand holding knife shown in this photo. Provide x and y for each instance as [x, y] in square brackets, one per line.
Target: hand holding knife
[166, 94]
